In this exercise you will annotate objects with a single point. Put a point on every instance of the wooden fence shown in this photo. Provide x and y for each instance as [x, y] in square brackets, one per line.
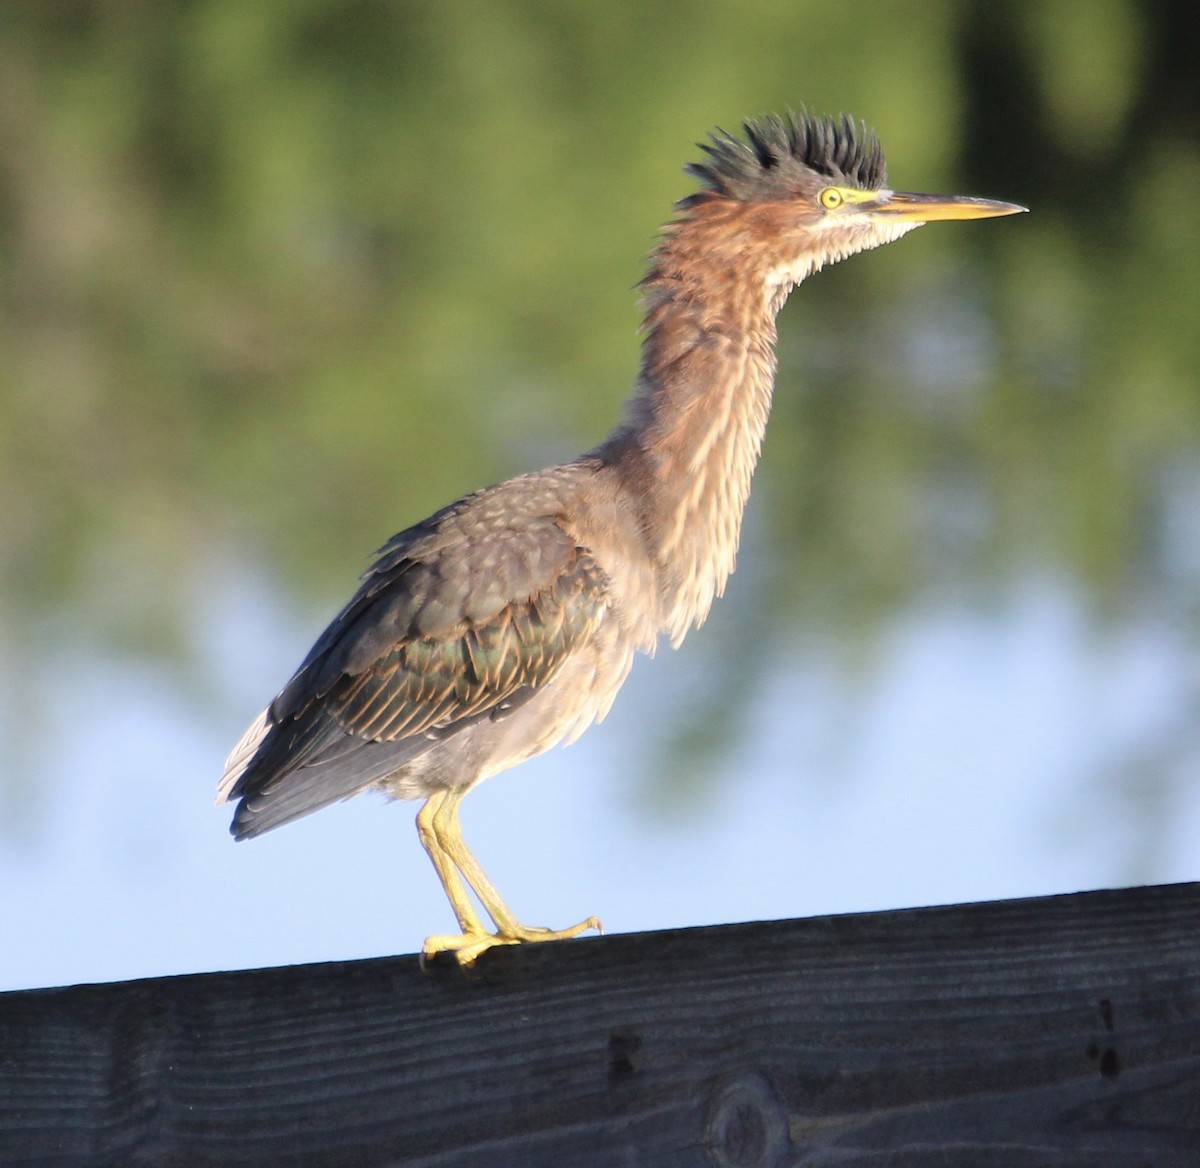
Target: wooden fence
[1056, 1031]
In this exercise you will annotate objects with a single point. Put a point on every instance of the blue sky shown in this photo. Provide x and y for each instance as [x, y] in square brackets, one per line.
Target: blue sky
[980, 758]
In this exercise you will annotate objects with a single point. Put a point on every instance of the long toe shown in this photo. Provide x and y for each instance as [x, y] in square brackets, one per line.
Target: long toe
[536, 933]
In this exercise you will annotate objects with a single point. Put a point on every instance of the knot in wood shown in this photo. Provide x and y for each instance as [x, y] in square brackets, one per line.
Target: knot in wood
[747, 1124]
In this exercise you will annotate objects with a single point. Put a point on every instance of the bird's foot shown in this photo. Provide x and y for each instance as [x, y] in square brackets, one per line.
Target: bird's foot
[468, 946]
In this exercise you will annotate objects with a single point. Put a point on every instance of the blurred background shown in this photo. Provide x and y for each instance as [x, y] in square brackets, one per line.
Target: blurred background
[277, 280]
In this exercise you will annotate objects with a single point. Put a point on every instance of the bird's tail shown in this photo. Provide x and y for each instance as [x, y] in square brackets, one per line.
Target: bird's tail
[241, 755]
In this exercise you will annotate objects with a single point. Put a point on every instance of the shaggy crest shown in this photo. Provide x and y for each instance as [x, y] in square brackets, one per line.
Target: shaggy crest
[782, 154]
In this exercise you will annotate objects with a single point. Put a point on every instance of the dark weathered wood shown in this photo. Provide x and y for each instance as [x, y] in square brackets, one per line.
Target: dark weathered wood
[1062, 1031]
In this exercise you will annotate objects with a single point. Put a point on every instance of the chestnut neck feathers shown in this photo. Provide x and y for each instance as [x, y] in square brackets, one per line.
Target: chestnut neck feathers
[718, 277]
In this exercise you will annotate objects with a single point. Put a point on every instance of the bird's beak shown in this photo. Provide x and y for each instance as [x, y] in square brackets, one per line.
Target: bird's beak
[929, 208]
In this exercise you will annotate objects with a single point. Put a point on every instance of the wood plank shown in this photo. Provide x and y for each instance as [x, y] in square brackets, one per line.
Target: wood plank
[1061, 1030]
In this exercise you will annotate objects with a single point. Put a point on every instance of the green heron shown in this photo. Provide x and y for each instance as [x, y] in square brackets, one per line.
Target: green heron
[505, 623]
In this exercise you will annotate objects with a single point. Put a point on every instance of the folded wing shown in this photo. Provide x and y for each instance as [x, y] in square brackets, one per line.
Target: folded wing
[463, 617]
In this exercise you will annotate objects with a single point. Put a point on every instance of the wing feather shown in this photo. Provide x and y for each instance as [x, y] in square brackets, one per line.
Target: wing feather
[462, 617]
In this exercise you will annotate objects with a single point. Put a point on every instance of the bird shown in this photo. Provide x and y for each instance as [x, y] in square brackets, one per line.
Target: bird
[505, 623]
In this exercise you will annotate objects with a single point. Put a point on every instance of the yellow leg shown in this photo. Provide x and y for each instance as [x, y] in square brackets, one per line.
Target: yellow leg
[460, 901]
[437, 823]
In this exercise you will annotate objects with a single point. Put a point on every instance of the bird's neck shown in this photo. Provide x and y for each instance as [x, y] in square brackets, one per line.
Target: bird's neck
[693, 428]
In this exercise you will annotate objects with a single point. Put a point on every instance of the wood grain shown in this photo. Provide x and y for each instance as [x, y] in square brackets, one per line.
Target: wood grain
[1062, 1030]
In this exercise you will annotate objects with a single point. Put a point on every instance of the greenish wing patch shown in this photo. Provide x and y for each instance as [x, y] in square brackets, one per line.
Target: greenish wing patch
[425, 683]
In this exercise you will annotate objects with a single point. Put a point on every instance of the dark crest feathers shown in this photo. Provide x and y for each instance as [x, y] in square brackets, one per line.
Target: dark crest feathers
[779, 153]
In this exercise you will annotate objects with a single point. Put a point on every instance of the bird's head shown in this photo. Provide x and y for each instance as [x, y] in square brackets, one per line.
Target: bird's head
[801, 191]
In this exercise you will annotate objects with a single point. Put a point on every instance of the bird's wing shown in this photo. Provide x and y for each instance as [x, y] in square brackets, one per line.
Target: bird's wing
[463, 617]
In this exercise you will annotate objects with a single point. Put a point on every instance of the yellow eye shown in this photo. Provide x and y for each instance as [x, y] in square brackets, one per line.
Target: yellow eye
[831, 197]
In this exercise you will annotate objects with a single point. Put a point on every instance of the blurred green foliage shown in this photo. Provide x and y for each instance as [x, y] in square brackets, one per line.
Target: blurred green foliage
[279, 279]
